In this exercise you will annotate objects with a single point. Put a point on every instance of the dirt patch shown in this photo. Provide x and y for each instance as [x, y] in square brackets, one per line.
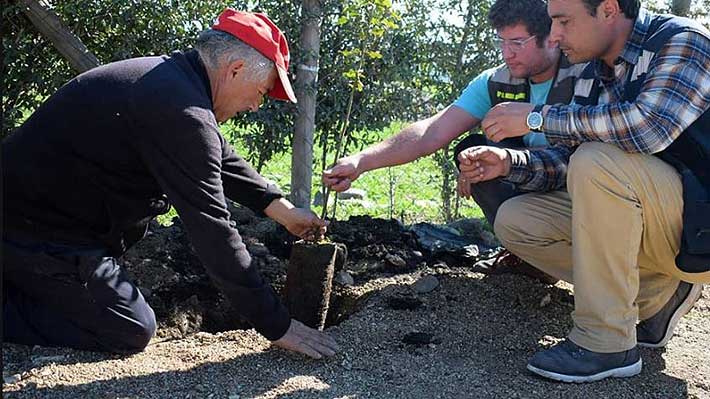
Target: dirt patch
[170, 275]
[410, 325]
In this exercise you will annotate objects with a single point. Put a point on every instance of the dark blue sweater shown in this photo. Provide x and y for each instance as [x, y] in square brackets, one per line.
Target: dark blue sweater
[100, 157]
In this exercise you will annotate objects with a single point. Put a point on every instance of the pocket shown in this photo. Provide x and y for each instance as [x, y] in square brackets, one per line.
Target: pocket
[696, 227]
[696, 215]
[694, 255]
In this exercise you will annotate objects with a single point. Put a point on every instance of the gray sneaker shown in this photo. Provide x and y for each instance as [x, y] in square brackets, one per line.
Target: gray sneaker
[568, 362]
[655, 332]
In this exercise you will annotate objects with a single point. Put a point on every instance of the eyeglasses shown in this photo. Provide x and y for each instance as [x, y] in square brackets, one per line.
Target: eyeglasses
[513, 45]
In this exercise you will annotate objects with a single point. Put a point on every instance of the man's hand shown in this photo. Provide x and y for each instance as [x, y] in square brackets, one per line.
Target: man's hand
[342, 174]
[506, 120]
[305, 224]
[299, 222]
[303, 339]
[483, 163]
[463, 186]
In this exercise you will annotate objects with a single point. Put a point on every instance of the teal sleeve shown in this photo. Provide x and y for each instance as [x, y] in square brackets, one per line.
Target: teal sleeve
[475, 99]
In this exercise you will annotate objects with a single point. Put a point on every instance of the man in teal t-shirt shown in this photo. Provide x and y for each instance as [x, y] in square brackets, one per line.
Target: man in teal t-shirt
[510, 82]
[476, 101]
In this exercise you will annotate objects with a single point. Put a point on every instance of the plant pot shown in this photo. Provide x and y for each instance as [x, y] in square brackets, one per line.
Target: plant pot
[309, 282]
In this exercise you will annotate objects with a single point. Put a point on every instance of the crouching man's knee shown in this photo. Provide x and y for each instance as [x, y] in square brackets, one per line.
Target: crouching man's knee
[507, 223]
[592, 160]
[144, 332]
[133, 334]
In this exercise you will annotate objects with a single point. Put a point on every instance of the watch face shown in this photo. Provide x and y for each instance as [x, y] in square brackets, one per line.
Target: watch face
[534, 120]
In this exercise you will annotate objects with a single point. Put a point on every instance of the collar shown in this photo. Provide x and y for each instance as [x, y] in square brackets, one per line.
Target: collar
[198, 66]
[634, 45]
[632, 50]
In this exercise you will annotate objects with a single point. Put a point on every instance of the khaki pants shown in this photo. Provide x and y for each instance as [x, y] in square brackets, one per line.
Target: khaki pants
[614, 234]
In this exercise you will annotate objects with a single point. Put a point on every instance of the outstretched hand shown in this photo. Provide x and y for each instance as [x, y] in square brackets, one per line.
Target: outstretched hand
[483, 163]
[303, 339]
[342, 174]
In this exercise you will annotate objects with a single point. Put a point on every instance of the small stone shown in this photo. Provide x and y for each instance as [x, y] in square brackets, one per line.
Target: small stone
[545, 300]
[352, 193]
[426, 284]
[11, 379]
[417, 254]
[420, 338]
[395, 260]
[425, 203]
[47, 359]
[365, 204]
[344, 278]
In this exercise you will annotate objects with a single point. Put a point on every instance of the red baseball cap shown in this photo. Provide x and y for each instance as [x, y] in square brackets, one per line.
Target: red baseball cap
[259, 32]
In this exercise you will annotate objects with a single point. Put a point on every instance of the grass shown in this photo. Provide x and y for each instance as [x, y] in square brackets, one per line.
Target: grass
[416, 188]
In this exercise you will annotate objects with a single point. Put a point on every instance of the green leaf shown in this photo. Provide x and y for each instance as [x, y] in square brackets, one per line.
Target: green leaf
[350, 74]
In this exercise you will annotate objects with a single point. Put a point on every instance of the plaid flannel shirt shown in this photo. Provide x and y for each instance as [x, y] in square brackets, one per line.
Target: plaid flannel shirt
[675, 93]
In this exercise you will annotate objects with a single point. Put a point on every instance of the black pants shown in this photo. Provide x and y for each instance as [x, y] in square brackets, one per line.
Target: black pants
[56, 295]
[489, 195]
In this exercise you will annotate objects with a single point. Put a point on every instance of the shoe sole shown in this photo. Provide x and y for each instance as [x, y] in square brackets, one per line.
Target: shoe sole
[621, 372]
[683, 309]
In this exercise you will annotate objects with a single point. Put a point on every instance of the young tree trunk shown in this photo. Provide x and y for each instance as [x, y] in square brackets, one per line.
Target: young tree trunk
[306, 91]
[51, 27]
[459, 73]
[447, 174]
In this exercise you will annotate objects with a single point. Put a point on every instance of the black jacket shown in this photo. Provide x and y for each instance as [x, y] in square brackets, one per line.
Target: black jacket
[101, 156]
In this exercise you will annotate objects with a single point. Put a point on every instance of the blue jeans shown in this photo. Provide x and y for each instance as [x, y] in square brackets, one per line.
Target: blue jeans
[489, 195]
[57, 295]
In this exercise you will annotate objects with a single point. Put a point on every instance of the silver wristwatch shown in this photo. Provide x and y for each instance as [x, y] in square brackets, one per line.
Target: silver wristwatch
[534, 119]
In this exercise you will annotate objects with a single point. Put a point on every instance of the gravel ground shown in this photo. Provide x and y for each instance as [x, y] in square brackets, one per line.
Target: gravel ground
[478, 332]
[410, 325]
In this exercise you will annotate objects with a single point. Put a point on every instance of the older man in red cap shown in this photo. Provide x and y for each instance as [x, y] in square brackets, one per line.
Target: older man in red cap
[113, 148]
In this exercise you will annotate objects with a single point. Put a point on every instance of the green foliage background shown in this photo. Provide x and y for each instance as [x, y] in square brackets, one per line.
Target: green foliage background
[413, 77]
[420, 65]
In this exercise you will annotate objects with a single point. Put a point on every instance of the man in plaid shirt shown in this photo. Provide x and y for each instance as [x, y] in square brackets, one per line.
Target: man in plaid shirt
[632, 153]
